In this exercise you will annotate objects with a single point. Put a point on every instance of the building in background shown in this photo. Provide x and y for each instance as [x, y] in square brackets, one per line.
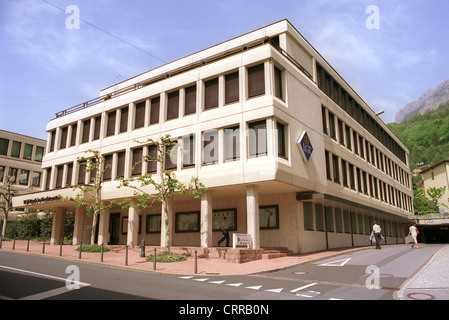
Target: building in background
[21, 159]
[289, 152]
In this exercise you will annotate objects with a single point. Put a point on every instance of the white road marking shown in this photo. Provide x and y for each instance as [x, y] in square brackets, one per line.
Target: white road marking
[303, 287]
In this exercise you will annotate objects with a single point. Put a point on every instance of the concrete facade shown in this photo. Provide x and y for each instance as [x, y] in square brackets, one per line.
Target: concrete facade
[240, 108]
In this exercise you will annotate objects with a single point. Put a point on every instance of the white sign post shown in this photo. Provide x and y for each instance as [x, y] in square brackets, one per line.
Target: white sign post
[241, 239]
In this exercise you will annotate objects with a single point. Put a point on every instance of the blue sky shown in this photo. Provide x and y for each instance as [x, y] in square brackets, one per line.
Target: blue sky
[46, 67]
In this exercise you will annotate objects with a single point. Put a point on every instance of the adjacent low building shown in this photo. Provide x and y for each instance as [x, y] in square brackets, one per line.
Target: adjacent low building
[288, 151]
[20, 162]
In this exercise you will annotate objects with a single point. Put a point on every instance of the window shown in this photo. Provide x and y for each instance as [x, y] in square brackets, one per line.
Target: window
[154, 110]
[107, 174]
[328, 167]
[282, 140]
[86, 131]
[188, 158]
[36, 179]
[121, 164]
[344, 173]
[332, 126]
[151, 159]
[187, 222]
[97, 127]
[124, 119]
[110, 129]
[2, 173]
[68, 180]
[73, 137]
[211, 94]
[27, 151]
[278, 87]
[171, 156]
[257, 140]
[338, 221]
[39, 153]
[4, 143]
[63, 142]
[48, 179]
[210, 147]
[232, 143]
[136, 165]
[139, 117]
[319, 218]
[190, 100]
[217, 219]
[173, 105]
[341, 132]
[329, 218]
[269, 217]
[52, 140]
[351, 176]
[59, 175]
[23, 178]
[347, 221]
[256, 81]
[308, 216]
[15, 150]
[324, 119]
[232, 87]
[153, 223]
[336, 168]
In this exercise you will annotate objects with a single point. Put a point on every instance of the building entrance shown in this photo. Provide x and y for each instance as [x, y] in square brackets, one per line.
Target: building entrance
[114, 228]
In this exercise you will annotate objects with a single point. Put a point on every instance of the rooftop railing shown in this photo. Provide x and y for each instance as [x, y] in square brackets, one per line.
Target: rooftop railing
[191, 66]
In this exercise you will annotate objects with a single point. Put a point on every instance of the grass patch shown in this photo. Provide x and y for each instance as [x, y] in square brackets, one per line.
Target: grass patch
[92, 248]
[167, 257]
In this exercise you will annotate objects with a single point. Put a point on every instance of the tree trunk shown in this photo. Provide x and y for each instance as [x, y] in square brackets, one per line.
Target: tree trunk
[94, 227]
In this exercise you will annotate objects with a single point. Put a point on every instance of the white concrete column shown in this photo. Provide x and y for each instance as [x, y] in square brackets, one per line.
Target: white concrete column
[167, 226]
[57, 229]
[103, 232]
[252, 215]
[133, 226]
[78, 227]
[206, 220]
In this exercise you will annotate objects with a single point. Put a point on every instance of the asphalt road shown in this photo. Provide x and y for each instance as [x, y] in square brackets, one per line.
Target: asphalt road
[363, 275]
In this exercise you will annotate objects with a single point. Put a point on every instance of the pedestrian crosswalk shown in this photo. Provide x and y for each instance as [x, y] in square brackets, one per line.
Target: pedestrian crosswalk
[303, 291]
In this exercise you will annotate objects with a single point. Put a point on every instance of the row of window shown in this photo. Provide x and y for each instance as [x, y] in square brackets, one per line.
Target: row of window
[327, 218]
[339, 131]
[190, 221]
[147, 112]
[359, 180]
[230, 138]
[332, 89]
[21, 176]
[18, 152]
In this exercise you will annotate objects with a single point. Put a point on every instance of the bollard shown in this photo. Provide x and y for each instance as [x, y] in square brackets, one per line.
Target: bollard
[14, 243]
[43, 247]
[1, 241]
[154, 259]
[101, 256]
[28, 245]
[142, 249]
[81, 250]
[60, 247]
[196, 262]
[126, 255]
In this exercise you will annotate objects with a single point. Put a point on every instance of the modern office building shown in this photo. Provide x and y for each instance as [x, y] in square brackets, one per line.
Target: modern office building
[20, 160]
[288, 151]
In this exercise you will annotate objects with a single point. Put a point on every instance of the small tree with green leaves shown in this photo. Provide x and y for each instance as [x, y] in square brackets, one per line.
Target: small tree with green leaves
[435, 194]
[7, 192]
[89, 196]
[165, 184]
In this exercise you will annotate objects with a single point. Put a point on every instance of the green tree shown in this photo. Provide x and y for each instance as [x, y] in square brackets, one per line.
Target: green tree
[89, 196]
[165, 184]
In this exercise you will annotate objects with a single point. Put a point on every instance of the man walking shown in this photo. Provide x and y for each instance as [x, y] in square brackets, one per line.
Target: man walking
[225, 232]
[377, 235]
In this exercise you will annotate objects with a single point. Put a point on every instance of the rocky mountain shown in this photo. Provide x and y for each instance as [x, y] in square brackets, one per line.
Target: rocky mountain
[429, 101]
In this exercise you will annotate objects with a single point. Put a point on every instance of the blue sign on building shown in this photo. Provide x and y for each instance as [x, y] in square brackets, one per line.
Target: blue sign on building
[305, 146]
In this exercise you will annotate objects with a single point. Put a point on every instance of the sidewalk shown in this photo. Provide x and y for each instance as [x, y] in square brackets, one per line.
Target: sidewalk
[117, 258]
[431, 282]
